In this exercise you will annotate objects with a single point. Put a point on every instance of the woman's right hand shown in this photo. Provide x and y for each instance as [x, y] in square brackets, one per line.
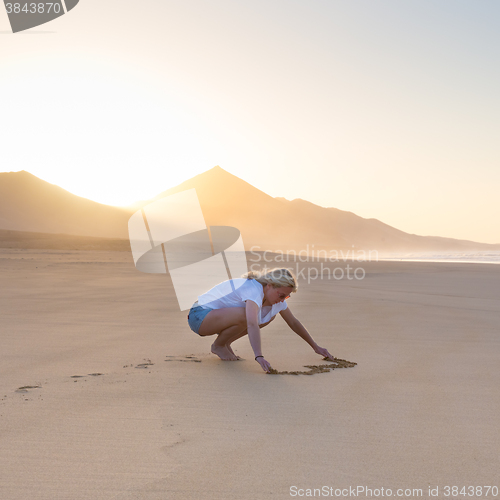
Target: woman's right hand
[265, 364]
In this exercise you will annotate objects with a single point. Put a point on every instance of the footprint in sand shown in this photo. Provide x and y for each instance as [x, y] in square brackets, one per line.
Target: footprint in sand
[183, 358]
[147, 363]
[26, 388]
[88, 375]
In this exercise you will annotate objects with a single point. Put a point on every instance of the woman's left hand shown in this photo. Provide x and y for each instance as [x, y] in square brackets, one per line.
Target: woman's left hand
[323, 352]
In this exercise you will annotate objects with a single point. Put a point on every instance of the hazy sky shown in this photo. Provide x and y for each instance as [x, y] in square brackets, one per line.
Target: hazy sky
[389, 109]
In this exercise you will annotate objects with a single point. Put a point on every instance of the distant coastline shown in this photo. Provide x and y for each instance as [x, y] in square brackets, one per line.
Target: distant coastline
[452, 257]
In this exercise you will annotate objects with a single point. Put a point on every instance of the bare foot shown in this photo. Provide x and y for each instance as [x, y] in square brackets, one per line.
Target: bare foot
[232, 352]
[223, 352]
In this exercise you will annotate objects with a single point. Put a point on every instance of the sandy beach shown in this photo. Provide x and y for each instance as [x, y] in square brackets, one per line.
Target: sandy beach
[127, 403]
[148, 148]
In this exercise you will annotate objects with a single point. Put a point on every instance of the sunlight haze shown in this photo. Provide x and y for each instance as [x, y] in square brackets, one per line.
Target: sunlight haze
[387, 109]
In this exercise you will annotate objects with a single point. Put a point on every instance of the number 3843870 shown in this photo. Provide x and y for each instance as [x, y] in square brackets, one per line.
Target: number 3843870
[33, 8]
[471, 491]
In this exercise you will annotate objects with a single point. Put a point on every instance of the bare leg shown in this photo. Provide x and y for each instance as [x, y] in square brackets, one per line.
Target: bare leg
[218, 320]
[220, 346]
[236, 337]
[242, 334]
[225, 323]
[228, 324]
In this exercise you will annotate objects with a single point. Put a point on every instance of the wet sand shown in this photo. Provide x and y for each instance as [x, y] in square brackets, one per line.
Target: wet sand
[105, 393]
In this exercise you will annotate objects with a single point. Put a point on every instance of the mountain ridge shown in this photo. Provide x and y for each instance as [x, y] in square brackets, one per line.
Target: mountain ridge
[28, 203]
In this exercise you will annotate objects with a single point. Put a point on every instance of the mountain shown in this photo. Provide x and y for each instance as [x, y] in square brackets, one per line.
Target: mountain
[28, 203]
[280, 224]
[266, 223]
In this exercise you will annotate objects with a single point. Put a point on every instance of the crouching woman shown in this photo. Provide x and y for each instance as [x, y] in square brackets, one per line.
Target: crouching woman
[237, 307]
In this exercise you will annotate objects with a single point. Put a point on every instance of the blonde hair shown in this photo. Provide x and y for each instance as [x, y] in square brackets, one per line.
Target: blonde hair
[277, 277]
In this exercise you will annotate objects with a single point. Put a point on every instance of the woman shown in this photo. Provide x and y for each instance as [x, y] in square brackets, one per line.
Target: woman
[244, 305]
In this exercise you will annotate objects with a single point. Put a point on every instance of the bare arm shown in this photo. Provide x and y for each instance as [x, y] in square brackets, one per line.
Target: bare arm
[297, 327]
[300, 330]
[252, 315]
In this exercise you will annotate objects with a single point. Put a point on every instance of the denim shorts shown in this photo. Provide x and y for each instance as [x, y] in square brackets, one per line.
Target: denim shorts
[196, 316]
